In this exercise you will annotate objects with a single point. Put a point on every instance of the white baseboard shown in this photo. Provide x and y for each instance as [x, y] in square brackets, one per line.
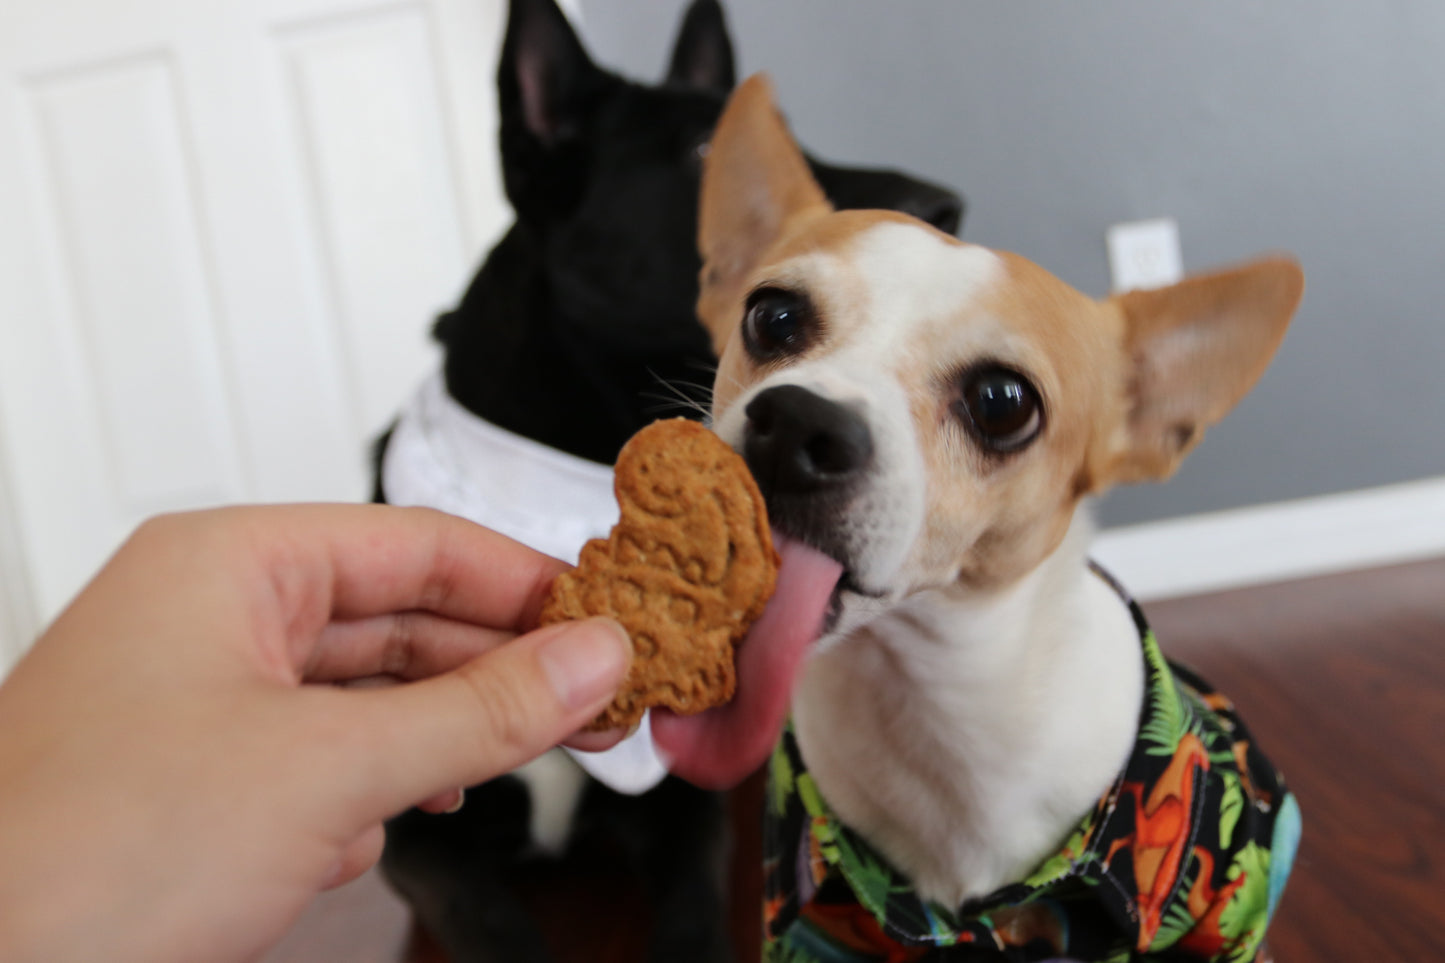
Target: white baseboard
[1277, 542]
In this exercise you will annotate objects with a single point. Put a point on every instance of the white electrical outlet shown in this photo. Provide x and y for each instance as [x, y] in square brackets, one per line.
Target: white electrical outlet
[1144, 254]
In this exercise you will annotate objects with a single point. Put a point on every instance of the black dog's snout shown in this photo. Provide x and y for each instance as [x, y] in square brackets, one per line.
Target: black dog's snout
[943, 210]
[799, 443]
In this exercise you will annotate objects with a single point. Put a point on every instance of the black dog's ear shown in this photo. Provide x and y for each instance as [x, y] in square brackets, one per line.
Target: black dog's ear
[703, 54]
[545, 78]
[855, 187]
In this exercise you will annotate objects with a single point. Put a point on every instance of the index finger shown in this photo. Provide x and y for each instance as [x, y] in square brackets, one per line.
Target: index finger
[330, 562]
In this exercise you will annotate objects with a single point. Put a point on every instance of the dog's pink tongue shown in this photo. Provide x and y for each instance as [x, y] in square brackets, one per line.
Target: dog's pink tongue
[719, 748]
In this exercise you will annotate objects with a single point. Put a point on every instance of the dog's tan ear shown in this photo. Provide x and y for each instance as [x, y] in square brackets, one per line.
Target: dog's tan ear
[1191, 352]
[754, 181]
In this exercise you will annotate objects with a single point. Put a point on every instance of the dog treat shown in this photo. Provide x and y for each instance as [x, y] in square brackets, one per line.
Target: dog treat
[687, 569]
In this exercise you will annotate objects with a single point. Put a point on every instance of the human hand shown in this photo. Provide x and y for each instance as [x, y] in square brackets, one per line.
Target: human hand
[178, 778]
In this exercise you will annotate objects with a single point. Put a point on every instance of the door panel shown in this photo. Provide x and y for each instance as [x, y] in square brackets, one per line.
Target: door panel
[225, 229]
[132, 285]
[366, 105]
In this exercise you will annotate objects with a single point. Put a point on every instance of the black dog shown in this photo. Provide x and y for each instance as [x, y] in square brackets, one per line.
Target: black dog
[577, 331]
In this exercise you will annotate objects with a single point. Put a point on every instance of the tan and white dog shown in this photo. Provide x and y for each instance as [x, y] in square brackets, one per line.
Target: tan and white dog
[925, 417]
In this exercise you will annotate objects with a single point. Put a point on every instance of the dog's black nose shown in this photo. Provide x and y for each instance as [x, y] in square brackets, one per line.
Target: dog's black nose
[799, 443]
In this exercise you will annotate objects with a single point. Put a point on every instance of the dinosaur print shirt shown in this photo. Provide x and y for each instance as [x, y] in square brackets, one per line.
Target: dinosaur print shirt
[1184, 858]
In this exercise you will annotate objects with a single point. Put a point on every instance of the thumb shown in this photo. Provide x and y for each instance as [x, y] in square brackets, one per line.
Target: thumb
[488, 716]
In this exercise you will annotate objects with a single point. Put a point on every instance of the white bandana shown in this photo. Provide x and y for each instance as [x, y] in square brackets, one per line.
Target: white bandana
[442, 456]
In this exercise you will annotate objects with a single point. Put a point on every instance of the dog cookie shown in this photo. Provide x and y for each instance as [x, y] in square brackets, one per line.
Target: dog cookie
[687, 569]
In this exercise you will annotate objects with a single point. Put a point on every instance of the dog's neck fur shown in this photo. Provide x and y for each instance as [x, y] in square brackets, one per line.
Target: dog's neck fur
[942, 729]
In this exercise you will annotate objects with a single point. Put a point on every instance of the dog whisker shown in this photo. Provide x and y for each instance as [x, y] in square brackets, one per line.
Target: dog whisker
[733, 382]
[681, 395]
[666, 404]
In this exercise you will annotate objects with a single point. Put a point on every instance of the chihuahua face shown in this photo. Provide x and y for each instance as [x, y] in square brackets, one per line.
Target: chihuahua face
[910, 406]
[930, 412]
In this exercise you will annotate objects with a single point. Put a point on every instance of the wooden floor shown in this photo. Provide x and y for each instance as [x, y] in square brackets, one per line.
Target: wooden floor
[1342, 679]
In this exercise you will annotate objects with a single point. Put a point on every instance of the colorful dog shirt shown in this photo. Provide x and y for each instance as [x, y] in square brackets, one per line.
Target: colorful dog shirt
[1184, 858]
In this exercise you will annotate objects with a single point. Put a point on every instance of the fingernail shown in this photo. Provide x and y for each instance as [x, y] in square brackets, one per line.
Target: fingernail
[456, 807]
[585, 662]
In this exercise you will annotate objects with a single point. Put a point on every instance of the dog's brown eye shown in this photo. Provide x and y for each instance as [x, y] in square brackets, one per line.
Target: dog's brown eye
[776, 323]
[1000, 408]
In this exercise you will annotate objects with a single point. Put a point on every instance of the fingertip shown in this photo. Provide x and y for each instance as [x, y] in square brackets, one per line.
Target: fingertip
[586, 661]
[444, 803]
[597, 741]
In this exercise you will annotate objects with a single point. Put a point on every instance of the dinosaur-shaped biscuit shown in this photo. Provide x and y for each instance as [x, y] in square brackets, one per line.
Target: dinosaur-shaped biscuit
[687, 569]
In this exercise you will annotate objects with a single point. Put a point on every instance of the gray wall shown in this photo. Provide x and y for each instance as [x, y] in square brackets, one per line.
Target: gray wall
[1313, 126]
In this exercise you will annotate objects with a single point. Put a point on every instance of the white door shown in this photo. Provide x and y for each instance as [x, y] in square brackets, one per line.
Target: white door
[225, 228]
